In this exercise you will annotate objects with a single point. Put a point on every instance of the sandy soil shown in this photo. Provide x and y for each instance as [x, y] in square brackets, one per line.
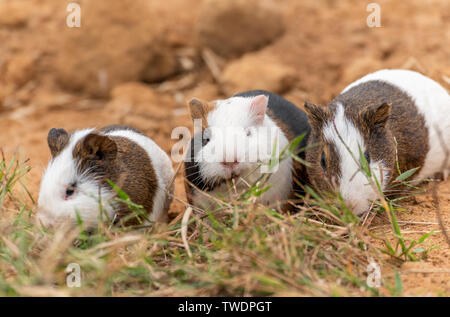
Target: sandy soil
[326, 43]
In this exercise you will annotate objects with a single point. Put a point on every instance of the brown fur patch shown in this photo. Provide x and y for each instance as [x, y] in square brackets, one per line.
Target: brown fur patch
[383, 114]
[57, 140]
[323, 153]
[199, 109]
[317, 115]
[319, 149]
[130, 168]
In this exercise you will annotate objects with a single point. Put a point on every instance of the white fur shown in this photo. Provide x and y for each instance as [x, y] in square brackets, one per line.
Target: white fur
[62, 171]
[432, 101]
[354, 185]
[229, 123]
[161, 165]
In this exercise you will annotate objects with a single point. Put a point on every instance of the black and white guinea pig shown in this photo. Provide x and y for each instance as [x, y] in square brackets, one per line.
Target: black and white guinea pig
[237, 135]
[75, 180]
[373, 114]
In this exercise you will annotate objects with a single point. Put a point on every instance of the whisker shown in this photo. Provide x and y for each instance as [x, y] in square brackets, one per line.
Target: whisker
[194, 166]
[189, 175]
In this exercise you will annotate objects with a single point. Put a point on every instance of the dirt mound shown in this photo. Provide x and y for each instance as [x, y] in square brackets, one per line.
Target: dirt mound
[137, 105]
[258, 71]
[231, 28]
[115, 44]
[14, 14]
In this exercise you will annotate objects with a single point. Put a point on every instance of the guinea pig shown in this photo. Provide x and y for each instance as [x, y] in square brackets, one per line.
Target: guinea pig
[390, 115]
[238, 134]
[75, 181]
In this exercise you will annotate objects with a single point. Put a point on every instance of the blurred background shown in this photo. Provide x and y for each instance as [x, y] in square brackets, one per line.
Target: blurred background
[136, 62]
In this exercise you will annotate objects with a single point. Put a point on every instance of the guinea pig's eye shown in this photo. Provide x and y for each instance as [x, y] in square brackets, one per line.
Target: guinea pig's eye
[206, 137]
[323, 162]
[367, 156]
[70, 190]
[248, 132]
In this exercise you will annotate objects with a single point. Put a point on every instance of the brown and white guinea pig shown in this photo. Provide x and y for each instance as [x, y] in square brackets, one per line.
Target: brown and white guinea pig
[373, 114]
[75, 180]
[237, 135]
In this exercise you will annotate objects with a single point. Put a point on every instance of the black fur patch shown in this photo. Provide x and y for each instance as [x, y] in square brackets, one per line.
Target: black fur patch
[191, 167]
[286, 112]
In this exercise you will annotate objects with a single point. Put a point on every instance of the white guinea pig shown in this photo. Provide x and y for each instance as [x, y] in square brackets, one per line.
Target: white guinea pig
[373, 114]
[237, 139]
[75, 180]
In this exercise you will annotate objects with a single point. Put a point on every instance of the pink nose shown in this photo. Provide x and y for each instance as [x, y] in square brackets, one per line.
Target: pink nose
[230, 164]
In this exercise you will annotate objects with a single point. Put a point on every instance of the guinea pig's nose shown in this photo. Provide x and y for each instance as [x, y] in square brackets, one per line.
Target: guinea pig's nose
[230, 164]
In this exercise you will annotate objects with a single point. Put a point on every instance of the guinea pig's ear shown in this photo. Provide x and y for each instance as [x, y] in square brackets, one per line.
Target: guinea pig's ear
[98, 147]
[377, 116]
[258, 108]
[57, 140]
[199, 109]
[316, 114]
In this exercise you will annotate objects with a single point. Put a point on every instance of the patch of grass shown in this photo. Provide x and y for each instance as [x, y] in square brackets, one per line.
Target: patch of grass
[403, 247]
[11, 172]
[242, 249]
